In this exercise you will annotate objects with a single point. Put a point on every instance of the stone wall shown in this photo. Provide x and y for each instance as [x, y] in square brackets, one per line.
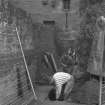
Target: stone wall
[15, 87]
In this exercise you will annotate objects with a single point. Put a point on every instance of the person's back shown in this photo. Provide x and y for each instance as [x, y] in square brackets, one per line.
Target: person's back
[61, 77]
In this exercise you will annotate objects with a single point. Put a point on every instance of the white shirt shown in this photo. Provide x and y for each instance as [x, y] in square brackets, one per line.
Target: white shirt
[60, 78]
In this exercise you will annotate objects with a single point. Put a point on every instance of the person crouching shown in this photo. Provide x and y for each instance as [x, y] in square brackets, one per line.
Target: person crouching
[63, 84]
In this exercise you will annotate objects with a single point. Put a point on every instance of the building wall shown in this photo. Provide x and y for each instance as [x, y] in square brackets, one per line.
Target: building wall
[15, 86]
[40, 12]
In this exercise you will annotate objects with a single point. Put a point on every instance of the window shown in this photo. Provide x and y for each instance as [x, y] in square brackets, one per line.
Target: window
[48, 22]
[66, 4]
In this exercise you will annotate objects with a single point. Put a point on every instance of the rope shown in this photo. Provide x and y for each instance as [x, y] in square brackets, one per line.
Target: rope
[25, 63]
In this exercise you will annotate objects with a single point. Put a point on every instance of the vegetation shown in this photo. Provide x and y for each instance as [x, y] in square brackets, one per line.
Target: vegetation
[89, 10]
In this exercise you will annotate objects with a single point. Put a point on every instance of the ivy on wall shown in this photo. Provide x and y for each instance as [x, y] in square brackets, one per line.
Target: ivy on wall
[84, 4]
[89, 10]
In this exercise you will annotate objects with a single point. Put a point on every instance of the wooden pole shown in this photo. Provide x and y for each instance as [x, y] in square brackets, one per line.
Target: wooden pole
[101, 27]
[101, 50]
[100, 91]
[66, 24]
[26, 64]
[55, 66]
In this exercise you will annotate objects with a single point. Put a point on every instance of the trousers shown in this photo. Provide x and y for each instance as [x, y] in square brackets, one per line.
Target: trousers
[66, 90]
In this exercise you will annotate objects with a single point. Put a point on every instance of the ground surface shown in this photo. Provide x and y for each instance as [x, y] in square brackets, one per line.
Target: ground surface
[41, 92]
